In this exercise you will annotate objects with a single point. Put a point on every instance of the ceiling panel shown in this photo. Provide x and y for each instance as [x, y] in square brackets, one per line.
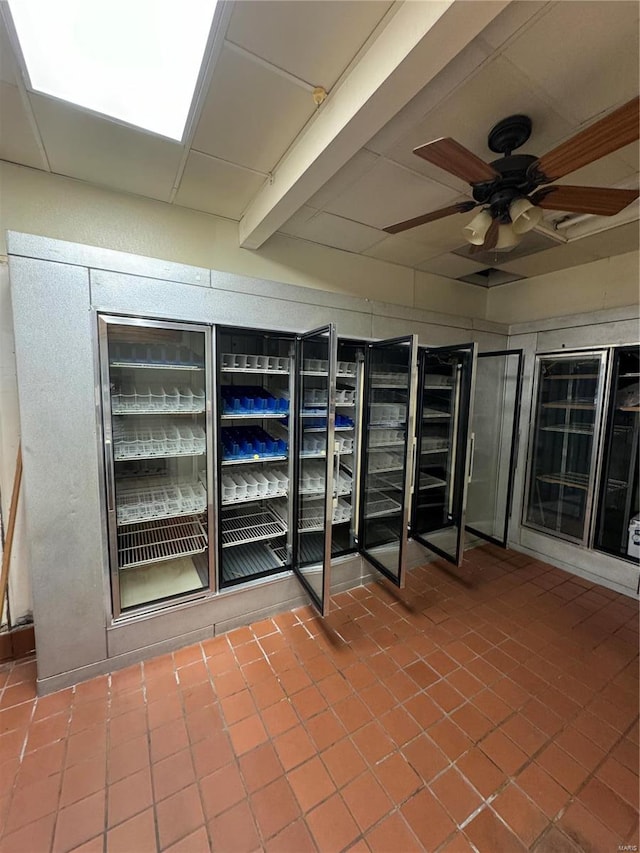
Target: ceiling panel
[337, 232]
[250, 115]
[313, 40]
[388, 193]
[496, 91]
[354, 169]
[450, 266]
[560, 257]
[17, 138]
[443, 234]
[8, 66]
[584, 54]
[615, 241]
[397, 250]
[514, 19]
[292, 225]
[85, 146]
[216, 187]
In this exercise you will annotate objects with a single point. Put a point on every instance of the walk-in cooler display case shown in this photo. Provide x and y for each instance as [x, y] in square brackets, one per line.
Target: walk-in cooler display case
[618, 518]
[563, 452]
[443, 449]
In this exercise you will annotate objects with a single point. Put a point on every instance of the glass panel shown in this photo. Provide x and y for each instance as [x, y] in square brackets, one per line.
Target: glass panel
[316, 504]
[157, 388]
[618, 528]
[495, 414]
[561, 474]
[348, 378]
[254, 390]
[384, 461]
[442, 451]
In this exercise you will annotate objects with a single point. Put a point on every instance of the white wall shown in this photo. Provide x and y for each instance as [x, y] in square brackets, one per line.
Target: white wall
[607, 283]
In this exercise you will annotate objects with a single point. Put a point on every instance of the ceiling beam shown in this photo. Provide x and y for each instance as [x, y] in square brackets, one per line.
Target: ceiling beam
[416, 43]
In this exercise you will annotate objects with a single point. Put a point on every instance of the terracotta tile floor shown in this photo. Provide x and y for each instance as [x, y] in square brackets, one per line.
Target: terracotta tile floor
[492, 708]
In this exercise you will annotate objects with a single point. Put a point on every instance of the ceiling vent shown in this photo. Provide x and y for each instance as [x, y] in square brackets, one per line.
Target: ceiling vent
[490, 277]
[535, 242]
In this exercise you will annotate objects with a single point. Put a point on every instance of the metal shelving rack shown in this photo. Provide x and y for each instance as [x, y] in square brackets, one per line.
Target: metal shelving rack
[156, 466]
[254, 521]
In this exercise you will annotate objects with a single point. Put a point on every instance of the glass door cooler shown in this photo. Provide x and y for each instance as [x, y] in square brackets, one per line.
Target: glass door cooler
[562, 456]
[617, 529]
[156, 414]
[254, 467]
[442, 454]
[387, 454]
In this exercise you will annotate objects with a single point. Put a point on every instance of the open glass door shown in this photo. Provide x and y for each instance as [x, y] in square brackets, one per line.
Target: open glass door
[387, 453]
[315, 458]
[494, 429]
[441, 476]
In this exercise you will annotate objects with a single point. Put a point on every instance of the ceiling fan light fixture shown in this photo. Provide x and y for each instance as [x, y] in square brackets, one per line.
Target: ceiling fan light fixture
[508, 238]
[476, 230]
[524, 215]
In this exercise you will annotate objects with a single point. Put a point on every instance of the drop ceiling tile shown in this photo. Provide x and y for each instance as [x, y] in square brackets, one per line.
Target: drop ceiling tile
[560, 257]
[631, 155]
[440, 236]
[329, 230]
[450, 266]
[514, 19]
[82, 145]
[397, 250]
[465, 64]
[354, 169]
[8, 66]
[388, 193]
[250, 115]
[215, 187]
[313, 40]
[496, 91]
[606, 172]
[615, 241]
[584, 54]
[298, 219]
[17, 138]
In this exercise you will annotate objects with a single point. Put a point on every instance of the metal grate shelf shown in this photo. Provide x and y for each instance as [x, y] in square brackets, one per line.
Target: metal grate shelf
[380, 506]
[252, 559]
[240, 527]
[141, 544]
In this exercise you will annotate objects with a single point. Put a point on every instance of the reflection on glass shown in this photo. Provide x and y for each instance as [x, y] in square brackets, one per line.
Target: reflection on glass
[561, 474]
[496, 391]
[315, 464]
[157, 389]
[254, 390]
[618, 526]
[385, 449]
[350, 357]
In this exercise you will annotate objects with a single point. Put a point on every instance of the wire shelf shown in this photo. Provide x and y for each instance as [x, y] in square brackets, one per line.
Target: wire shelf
[143, 365]
[240, 527]
[570, 429]
[428, 481]
[251, 460]
[245, 561]
[428, 413]
[154, 541]
[253, 498]
[380, 506]
[139, 501]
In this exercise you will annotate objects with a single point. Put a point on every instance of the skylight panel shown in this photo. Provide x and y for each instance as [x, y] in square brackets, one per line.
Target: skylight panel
[136, 61]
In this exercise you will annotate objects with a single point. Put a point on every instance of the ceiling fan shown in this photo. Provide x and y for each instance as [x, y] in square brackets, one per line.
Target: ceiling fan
[509, 190]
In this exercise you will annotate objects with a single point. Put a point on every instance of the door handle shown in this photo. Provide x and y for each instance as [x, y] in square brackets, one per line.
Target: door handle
[472, 447]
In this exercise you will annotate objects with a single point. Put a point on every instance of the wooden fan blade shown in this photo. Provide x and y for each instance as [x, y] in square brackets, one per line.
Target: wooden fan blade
[491, 237]
[612, 132]
[602, 201]
[460, 207]
[454, 158]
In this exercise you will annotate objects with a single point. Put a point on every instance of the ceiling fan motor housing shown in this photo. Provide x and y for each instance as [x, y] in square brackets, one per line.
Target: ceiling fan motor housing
[513, 182]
